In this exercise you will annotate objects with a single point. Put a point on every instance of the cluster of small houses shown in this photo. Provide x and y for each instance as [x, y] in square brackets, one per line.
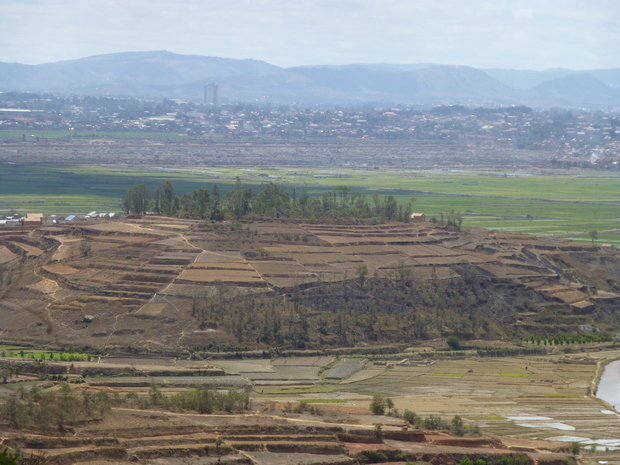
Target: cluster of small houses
[38, 219]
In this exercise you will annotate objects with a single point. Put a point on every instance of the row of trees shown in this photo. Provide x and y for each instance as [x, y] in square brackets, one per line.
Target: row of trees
[380, 405]
[560, 339]
[201, 399]
[272, 199]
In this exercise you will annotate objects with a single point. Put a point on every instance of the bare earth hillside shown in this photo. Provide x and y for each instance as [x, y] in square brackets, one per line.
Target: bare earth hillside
[176, 286]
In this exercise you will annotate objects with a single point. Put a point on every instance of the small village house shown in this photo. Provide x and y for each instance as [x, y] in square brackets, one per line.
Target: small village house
[33, 219]
[9, 223]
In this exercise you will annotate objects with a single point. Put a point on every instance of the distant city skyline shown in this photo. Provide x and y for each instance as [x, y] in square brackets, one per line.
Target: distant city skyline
[515, 34]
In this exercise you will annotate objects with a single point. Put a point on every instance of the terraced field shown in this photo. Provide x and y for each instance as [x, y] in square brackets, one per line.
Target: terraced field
[158, 283]
[533, 405]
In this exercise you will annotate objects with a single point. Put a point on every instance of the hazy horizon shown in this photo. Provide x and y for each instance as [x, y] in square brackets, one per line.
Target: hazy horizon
[519, 35]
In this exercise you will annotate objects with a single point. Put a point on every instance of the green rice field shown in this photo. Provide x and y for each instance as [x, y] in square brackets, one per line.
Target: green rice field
[567, 205]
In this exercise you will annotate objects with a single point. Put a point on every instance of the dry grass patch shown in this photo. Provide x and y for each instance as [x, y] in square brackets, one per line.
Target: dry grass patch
[427, 272]
[347, 266]
[228, 266]
[123, 239]
[546, 377]
[45, 286]
[307, 259]
[441, 250]
[101, 246]
[134, 251]
[101, 276]
[298, 372]
[160, 269]
[436, 261]
[171, 226]
[283, 282]
[366, 373]
[510, 272]
[169, 241]
[569, 296]
[456, 243]
[303, 361]
[245, 366]
[300, 249]
[189, 256]
[278, 268]
[387, 261]
[219, 257]
[195, 290]
[60, 268]
[335, 257]
[367, 250]
[324, 270]
[116, 227]
[6, 256]
[152, 309]
[338, 240]
[206, 276]
[28, 249]
[263, 376]
[538, 389]
[423, 250]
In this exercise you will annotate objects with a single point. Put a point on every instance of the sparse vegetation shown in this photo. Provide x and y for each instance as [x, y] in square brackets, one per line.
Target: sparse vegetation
[58, 408]
[303, 407]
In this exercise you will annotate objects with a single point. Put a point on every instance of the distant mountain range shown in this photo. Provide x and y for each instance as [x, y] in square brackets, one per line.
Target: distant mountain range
[162, 74]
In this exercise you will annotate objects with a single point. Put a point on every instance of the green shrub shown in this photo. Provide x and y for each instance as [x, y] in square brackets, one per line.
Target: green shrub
[6, 458]
[454, 342]
[434, 422]
[374, 456]
[378, 405]
[411, 417]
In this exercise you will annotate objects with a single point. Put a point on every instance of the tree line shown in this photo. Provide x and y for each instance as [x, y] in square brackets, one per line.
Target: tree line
[64, 406]
[271, 200]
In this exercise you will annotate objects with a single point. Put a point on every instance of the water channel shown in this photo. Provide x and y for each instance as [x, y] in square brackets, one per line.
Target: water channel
[609, 385]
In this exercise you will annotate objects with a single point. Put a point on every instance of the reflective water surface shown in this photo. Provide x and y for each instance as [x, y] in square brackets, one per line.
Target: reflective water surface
[609, 386]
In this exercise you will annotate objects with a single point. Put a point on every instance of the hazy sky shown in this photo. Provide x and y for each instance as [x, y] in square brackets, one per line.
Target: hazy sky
[515, 34]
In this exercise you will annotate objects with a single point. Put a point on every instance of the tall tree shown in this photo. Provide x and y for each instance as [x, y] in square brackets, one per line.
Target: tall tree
[238, 200]
[593, 235]
[216, 205]
[137, 199]
[164, 198]
[272, 199]
[203, 198]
